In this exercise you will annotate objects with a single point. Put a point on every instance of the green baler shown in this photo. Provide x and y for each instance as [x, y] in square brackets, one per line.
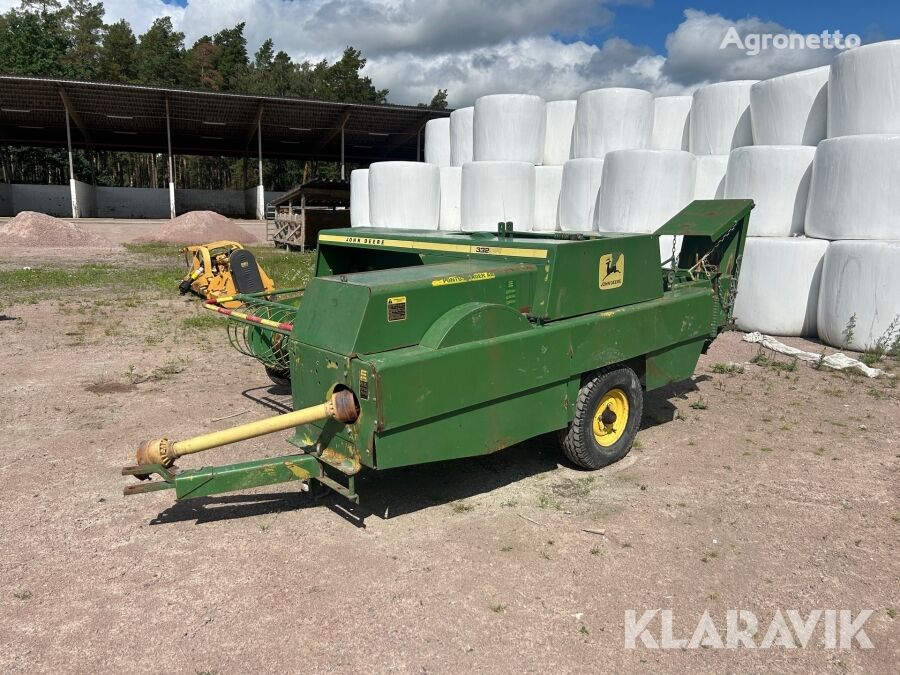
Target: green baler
[410, 347]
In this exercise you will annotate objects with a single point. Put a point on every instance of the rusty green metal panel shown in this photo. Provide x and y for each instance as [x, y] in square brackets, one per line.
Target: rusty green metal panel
[368, 312]
[215, 480]
[707, 217]
[568, 276]
[673, 363]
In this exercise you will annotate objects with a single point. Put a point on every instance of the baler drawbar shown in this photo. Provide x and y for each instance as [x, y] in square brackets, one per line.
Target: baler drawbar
[409, 347]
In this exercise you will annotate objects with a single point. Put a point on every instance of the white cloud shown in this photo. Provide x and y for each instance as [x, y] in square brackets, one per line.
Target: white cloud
[474, 47]
[694, 55]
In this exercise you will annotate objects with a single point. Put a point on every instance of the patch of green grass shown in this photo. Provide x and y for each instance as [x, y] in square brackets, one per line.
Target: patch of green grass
[547, 502]
[22, 595]
[891, 612]
[40, 283]
[286, 269]
[499, 608]
[765, 450]
[506, 549]
[461, 507]
[595, 551]
[158, 274]
[205, 321]
[762, 359]
[699, 404]
[166, 370]
[728, 368]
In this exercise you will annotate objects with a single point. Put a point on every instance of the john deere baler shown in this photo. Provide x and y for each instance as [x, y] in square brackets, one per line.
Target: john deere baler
[410, 347]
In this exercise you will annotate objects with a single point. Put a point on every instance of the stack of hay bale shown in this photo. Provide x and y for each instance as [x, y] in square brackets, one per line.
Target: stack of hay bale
[779, 280]
[817, 150]
[854, 200]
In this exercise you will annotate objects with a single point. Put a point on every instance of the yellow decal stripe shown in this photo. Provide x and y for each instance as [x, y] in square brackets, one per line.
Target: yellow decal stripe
[436, 246]
[477, 276]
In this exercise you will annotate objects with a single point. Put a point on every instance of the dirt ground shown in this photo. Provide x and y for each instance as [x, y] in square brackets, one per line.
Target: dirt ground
[775, 488]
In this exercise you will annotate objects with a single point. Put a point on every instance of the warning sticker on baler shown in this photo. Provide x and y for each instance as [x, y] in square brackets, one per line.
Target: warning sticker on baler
[396, 308]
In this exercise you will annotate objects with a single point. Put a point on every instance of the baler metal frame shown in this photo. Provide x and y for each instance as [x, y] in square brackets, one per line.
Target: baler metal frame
[491, 303]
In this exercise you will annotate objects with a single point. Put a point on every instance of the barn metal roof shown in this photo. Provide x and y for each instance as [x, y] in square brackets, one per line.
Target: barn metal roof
[131, 117]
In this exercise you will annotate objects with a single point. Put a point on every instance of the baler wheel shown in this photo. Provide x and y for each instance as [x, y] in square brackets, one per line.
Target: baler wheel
[607, 416]
[280, 378]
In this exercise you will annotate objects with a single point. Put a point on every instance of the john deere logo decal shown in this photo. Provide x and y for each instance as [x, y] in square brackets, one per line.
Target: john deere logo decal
[612, 270]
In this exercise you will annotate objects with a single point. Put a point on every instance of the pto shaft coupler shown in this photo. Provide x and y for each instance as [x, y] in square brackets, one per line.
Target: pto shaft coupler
[342, 406]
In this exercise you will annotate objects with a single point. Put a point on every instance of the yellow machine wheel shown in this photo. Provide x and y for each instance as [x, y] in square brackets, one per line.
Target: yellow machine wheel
[611, 417]
[607, 417]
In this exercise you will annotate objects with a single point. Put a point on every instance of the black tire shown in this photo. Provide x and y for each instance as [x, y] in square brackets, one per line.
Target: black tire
[579, 442]
[281, 378]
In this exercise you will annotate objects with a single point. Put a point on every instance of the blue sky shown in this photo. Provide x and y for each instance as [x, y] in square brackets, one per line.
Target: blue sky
[650, 24]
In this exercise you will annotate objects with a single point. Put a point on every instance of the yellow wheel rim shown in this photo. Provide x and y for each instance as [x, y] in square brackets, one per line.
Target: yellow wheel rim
[611, 417]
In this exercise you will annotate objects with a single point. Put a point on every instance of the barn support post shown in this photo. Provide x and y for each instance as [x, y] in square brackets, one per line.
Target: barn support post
[171, 171]
[72, 191]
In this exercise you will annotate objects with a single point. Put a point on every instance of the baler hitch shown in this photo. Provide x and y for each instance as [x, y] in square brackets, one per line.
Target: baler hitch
[157, 456]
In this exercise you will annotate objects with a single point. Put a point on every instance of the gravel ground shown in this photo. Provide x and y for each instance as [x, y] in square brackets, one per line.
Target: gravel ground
[768, 489]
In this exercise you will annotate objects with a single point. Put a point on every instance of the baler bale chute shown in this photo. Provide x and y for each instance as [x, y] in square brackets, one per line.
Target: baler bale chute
[427, 346]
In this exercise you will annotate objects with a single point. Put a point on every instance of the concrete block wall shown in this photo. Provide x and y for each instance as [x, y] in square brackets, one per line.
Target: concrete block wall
[126, 202]
[54, 200]
[229, 203]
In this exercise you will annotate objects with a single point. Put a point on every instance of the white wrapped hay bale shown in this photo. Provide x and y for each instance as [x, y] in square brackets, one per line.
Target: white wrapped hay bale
[776, 178]
[720, 118]
[854, 189]
[642, 189]
[611, 119]
[778, 287]
[558, 136]
[547, 184]
[405, 195]
[710, 182]
[859, 289]
[451, 188]
[791, 109]
[864, 91]
[666, 250]
[494, 192]
[359, 198]
[671, 123]
[510, 127]
[437, 141]
[462, 135]
[579, 193]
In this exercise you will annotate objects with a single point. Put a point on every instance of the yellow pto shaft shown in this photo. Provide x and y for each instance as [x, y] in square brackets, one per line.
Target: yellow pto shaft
[341, 406]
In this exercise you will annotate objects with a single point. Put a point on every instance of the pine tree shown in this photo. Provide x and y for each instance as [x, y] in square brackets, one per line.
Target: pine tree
[160, 54]
[232, 62]
[117, 54]
[33, 40]
[86, 29]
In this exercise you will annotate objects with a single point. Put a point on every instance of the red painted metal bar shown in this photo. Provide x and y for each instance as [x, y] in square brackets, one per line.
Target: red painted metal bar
[211, 305]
